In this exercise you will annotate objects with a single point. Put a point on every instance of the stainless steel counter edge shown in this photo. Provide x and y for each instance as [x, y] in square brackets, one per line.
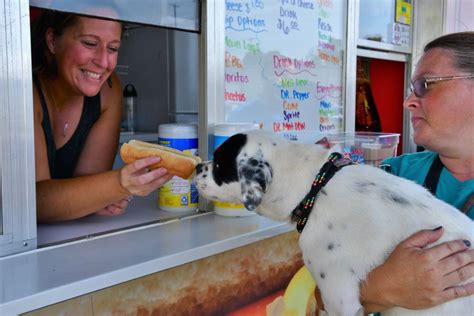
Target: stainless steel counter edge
[50, 275]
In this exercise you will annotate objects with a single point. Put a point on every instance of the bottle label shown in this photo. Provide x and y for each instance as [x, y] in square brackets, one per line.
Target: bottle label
[227, 205]
[190, 144]
[355, 154]
[179, 193]
[218, 140]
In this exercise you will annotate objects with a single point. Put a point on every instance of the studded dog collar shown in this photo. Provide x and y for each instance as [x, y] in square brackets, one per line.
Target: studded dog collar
[301, 213]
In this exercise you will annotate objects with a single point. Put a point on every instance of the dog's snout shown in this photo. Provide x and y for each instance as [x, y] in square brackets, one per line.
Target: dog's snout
[199, 168]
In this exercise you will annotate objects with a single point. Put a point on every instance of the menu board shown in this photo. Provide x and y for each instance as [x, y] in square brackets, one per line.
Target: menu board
[284, 65]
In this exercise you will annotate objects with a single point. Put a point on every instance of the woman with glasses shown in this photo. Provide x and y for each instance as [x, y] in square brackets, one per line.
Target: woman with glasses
[441, 103]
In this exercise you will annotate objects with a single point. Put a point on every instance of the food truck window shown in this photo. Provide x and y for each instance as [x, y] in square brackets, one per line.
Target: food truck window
[177, 14]
[162, 66]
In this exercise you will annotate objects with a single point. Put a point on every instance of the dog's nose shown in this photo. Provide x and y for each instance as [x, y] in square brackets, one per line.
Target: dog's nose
[199, 168]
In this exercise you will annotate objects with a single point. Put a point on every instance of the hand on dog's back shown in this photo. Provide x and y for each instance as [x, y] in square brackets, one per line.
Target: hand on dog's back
[419, 267]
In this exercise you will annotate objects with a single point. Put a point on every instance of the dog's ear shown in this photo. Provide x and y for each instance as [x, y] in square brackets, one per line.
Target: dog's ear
[255, 175]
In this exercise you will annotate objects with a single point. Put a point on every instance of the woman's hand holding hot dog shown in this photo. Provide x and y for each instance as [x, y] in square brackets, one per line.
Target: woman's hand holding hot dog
[137, 179]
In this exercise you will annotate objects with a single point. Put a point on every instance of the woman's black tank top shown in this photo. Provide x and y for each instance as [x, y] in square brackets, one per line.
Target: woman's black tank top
[62, 162]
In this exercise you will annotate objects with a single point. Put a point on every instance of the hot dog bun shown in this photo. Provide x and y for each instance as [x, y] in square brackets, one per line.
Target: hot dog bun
[175, 161]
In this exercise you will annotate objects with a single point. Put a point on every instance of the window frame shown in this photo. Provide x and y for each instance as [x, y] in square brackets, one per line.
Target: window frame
[17, 164]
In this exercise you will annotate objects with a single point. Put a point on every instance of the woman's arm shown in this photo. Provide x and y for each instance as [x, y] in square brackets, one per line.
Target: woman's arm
[66, 199]
[416, 277]
[101, 145]
[94, 188]
[70, 198]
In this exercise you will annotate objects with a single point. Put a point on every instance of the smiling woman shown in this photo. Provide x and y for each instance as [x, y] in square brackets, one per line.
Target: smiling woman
[77, 114]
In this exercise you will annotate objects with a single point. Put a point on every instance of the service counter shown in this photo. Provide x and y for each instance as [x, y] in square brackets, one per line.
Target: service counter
[93, 261]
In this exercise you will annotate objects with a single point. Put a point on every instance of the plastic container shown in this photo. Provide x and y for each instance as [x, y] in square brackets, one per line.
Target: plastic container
[178, 195]
[221, 133]
[366, 147]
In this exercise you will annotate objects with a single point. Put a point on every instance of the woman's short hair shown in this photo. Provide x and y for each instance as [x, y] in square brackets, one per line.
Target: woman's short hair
[461, 45]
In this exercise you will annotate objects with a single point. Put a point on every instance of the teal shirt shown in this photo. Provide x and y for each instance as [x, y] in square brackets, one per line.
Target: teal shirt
[415, 167]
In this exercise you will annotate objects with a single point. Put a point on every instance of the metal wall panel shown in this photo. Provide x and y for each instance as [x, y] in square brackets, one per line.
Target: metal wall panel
[211, 72]
[350, 61]
[16, 130]
[428, 22]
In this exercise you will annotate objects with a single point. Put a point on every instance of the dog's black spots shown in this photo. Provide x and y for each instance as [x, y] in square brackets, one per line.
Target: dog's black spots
[204, 175]
[247, 173]
[364, 186]
[251, 202]
[260, 144]
[331, 246]
[309, 262]
[274, 144]
[330, 225]
[255, 175]
[260, 179]
[322, 275]
[352, 271]
[255, 171]
[397, 198]
[225, 158]
[421, 205]
[253, 162]
[324, 192]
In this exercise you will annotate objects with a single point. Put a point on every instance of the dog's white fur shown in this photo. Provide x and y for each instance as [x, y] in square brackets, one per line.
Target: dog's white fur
[358, 218]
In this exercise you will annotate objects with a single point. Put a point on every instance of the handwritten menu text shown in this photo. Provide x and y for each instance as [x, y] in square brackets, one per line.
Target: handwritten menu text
[283, 64]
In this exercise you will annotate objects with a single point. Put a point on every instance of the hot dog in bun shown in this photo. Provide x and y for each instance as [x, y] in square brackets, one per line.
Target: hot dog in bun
[177, 162]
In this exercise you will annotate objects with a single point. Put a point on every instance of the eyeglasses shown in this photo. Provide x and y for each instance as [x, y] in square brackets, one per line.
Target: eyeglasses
[420, 86]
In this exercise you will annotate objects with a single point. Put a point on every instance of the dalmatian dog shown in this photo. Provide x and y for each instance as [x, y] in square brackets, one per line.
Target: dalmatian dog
[358, 217]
